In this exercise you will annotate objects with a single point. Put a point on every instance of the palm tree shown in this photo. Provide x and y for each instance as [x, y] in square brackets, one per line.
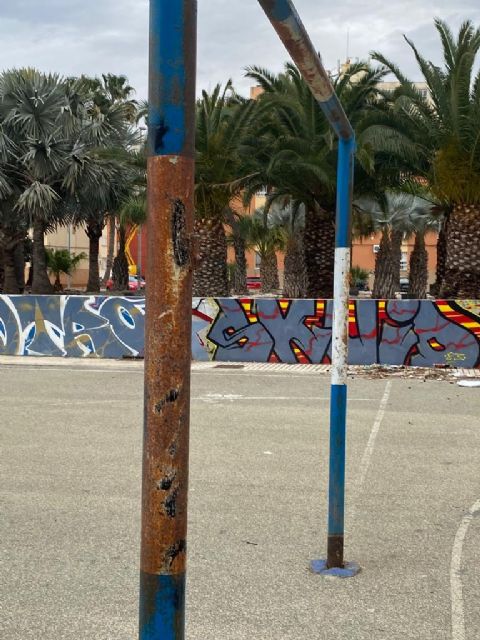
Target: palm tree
[133, 213]
[37, 118]
[223, 124]
[291, 224]
[107, 94]
[390, 216]
[298, 152]
[267, 240]
[239, 239]
[101, 186]
[438, 134]
[61, 261]
[425, 217]
[49, 143]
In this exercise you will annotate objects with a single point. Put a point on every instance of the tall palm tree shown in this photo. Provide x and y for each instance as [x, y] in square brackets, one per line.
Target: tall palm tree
[38, 118]
[49, 141]
[439, 135]
[223, 124]
[298, 152]
[100, 190]
[109, 95]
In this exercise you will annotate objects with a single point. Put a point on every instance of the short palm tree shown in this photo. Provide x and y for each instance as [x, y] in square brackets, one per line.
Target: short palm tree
[391, 217]
[132, 214]
[239, 239]
[267, 239]
[290, 222]
[62, 261]
[425, 217]
[439, 135]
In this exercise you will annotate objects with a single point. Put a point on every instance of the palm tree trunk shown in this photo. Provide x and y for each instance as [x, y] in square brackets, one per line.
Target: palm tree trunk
[110, 249]
[210, 277]
[239, 287]
[57, 285]
[441, 258]
[120, 264]
[10, 281]
[319, 252]
[19, 264]
[269, 272]
[396, 258]
[12, 262]
[294, 276]
[2, 268]
[462, 267]
[418, 276]
[387, 265]
[94, 233]
[41, 282]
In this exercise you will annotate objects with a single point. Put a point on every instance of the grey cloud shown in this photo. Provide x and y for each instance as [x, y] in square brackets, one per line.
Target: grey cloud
[96, 36]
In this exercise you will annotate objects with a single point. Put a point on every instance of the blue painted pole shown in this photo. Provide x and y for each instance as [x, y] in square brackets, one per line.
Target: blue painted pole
[338, 401]
[288, 25]
[170, 185]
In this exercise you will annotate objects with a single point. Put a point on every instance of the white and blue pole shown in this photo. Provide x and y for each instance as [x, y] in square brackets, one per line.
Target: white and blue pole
[288, 25]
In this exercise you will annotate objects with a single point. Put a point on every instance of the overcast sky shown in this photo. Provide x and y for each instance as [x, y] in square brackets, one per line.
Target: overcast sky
[100, 36]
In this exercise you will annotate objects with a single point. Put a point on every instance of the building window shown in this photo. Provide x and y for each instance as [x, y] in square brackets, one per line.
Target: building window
[404, 261]
[258, 260]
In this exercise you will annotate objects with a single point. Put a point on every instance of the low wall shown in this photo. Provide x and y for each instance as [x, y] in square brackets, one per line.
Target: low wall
[400, 332]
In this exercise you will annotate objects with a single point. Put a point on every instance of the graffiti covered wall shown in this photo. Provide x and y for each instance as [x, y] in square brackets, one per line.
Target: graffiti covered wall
[409, 332]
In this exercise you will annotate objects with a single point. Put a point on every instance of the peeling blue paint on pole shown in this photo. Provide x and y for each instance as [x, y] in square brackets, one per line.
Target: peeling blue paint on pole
[287, 23]
[172, 54]
[170, 185]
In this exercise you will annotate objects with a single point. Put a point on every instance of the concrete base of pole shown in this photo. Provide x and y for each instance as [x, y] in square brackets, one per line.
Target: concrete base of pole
[349, 569]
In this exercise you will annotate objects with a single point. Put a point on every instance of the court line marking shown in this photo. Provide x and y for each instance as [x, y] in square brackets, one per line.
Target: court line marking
[456, 586]
[367, 455]
[208, 398]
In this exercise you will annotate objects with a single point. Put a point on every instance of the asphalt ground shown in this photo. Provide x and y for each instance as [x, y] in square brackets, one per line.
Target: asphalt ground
[70, 443]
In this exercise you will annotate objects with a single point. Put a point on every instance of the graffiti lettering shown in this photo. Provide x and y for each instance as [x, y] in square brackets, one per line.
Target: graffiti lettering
[399, 332]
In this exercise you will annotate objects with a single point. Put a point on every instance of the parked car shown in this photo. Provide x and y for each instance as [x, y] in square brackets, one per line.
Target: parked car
[254, 283]
[135, 283]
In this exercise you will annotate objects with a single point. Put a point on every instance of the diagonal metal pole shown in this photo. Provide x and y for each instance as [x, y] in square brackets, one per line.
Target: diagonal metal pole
[171, 145]
[288, 25]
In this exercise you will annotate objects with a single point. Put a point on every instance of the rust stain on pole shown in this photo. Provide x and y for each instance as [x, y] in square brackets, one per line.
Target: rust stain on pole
[167, 365]
[171, 149]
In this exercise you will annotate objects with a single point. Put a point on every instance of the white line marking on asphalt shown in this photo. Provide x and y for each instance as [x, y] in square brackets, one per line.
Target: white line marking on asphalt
[456, 587]
[232, 397]
[210, 398]
[367, 455]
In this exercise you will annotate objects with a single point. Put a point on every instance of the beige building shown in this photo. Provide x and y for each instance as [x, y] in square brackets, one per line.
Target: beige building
[391, 86]
[76, 241]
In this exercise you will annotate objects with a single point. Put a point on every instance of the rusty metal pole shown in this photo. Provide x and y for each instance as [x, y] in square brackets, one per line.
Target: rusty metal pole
[288, 25]
[171, 147]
